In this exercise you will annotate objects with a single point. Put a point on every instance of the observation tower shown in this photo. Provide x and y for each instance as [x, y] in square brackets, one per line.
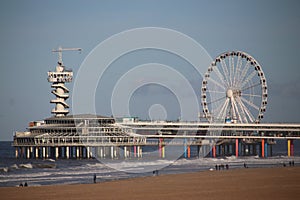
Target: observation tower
[58, 78]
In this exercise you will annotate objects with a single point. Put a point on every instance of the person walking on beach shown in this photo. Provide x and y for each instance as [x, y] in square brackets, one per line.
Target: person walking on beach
[95, 178]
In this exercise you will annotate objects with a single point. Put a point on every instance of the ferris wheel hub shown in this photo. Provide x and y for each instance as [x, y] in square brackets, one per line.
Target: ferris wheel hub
[229, 93]
[233, 93]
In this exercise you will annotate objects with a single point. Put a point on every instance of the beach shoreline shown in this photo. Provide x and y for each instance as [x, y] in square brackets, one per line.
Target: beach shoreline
[247, 183]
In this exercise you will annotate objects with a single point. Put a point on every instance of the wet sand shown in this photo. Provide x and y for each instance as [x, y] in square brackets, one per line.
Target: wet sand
[265, 183]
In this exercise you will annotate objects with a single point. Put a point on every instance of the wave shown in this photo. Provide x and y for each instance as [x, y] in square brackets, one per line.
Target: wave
[4, 169]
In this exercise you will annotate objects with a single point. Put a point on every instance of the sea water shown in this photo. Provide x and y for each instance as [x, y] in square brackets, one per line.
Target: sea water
[81, 171]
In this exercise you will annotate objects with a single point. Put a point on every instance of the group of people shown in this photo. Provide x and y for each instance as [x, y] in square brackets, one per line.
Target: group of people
[25, 184]
[219, 167]
[155, 173]
[291, 163]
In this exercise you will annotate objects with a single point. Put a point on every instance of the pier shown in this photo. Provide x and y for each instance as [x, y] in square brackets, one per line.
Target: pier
[239, 130]
[102, 137]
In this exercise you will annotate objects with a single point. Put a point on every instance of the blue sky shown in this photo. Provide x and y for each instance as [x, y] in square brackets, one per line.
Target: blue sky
[268, 30]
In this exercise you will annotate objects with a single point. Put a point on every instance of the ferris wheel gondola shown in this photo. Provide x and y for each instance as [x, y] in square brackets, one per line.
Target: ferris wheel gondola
[234, 89]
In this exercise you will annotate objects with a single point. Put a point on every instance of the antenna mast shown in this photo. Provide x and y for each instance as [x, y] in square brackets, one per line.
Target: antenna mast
[60, 50]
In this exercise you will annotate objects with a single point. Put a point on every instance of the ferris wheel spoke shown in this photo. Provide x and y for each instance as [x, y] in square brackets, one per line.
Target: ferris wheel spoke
[251, 86]
[237, 109]
[216, 100]
[215, 91]
[222, 112]
[237, 71]
[225, 70]
[248, 113]
[233, 108]
[219, 75]
[217, 83]
[218, 108]
[251, 95]
[250, 103]
[231, 70]
[244, 72]
[248, 79]
[242, 110]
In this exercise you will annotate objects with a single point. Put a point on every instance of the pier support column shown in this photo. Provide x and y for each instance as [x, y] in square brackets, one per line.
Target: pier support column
[88, 152]
[141, 152]
[36, 152]
[188, 151]
[236, 147]
[134, 151]
[266, 149]
[17, 152]
[138, 151]
[263, 148]
[23, 152]
[184, 147]
[77, 152]
[44, 153]
[125, 152]
[161, 148]
[31, 152]
[67, 152]
[101, 152]
[214, 150]
[290, 148]
[56, 152]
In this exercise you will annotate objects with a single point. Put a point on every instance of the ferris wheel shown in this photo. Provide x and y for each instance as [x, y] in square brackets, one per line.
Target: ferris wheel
[234, 89]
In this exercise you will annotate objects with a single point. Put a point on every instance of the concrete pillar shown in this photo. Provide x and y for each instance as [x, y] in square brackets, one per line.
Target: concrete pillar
[141, 152]
[31, 152]
[44, 152]
[115, 152]
[47, 152]
[56, 152]
[22, 152]
[36, 152]
[77, 152]
[138, 151]
[101, 152]
[67, 152]
[125, 152]
[88, 155]
[111, 152]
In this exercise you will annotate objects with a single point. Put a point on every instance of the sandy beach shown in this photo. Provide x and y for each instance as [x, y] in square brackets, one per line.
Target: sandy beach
[265, 183]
